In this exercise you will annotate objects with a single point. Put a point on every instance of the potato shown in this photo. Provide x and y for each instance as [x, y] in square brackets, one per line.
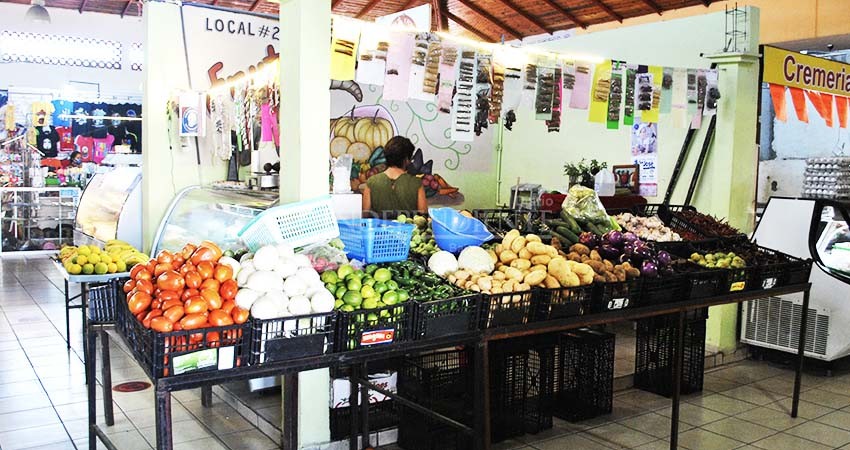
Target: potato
[585, 258]
[507, 256]
[620, 273]
[551, 282]
[452, 278]
[521, 264]
[540, 267]
[609, 266]
[493, 256]
[632, 273]
[514, 274]
[585, 273]
[498, 249]
[573, 256]
[525, 254]
[610, 277]
[540, 259]
[503, 268]
[468, 284]
[508, 240]
[522, 287]
[600, 278]
[508, 286]
[462, 275]
[475, 288]
[551, 251]
[537, 248]
[497, 283]
[594, 255]
[518, 244]
[597, 266]
[498, 275]
[475, 278]
[581, 249]
[533, 238]
[558, 267]
[496, 290]
[485, 283]
[534, 278]
[569, 279]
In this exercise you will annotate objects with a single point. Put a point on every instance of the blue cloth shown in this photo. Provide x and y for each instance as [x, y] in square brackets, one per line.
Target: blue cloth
[62, 107]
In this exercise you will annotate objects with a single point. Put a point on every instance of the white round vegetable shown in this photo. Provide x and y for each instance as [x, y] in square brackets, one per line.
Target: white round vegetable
[302, 261]
[247, 265]
[264, 281]
[322, 301]
[280, 299]
[265, 308]
[294, 287]
[285, 250]
[299, 305]
[442, 263]
[245, 298]
[246, 257]
[285, 269]
[266, 258]
[309, 276]
[244, 273]
[234, 264]
[476, 260]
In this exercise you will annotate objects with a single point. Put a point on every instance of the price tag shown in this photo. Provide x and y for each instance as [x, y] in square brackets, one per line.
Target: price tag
[768, 283]
[195, 361]
[618, 303]
[737, 286]
[377, 337]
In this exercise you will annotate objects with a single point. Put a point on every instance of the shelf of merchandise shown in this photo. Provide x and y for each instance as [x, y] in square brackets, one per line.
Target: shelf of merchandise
[25, 200]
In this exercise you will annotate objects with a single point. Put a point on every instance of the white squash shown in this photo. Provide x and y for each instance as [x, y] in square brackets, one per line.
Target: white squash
[299, 305]
[294, 287]
[266, 258]
[285, 250]
[245, 298]
[264, 281]
[302, 261]
[265, 308]
[285, 269]
[244, 273]
[246, 257]
[322, 301]
[309, 276]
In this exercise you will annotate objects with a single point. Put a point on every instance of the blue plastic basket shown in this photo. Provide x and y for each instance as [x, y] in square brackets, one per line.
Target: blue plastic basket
[376, 240]
[454, 232]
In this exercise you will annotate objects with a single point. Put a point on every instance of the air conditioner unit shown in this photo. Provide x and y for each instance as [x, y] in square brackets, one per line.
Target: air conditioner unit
[772, 322]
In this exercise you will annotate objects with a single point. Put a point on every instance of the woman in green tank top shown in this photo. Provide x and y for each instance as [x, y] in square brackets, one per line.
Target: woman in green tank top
[394, 189]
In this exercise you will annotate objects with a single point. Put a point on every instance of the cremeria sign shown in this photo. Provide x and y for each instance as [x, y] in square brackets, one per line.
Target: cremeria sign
[787, 68]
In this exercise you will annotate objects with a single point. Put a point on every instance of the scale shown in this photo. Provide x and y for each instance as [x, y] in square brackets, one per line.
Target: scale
[268, 180]
[525, 196]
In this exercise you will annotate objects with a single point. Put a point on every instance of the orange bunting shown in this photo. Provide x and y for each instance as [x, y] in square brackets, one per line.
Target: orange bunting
[798, 98]
[777, 93]
[841, 109]
[826, 107]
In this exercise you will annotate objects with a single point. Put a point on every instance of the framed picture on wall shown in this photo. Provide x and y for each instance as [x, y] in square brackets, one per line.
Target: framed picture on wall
[626, 177]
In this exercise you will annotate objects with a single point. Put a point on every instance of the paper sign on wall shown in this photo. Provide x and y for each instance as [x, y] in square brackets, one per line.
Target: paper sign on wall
[667, 90]
[192, 114]
[651, 114]
[629, 99]
[680, 98]
[448, 72]
[600, 88]
[644, 149]
[372, 63]
[463, 107]
[346, 36]
[615, 95]
[580, 97]
[397, 78]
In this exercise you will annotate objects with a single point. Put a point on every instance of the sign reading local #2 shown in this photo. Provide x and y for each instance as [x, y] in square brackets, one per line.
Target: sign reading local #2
[224, 45]
[788, 68]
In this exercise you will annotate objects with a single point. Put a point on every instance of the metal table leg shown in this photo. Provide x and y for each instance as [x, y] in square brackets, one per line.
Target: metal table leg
[678, 361]
[801, 349]
[289, 434]
[106, 377]
[67, 317]
[91, 341]
[481, 393]
[163, 419]
[84, 295]
[364, 407]
[206, 396]
[353, 403]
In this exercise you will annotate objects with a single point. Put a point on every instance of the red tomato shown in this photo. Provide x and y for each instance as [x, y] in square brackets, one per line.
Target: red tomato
[162, 324]
[146, 322]
[170, 281]
[206, 269]
[144, 286]
[171, 303]
[193, 321]
[189, 293]
[176, 265]
[239, 315]
[175, 313]
[211, 283]
[141, 316]
[134, 272]
[168, 295]
[195, 305]
[193, 280]
[144, 273]
[213, 339]
[156, 304]
[179, 259]
[139, 302]
[228, 289]
[151, 265]
[161, 268]
[165, 257]
[212, 298]
[223, 272]
[186, 268]
[219, 318]
[129, 285]
[187, 251]
[228, 306]
[178, 326]
[203, 254]
[212, 246]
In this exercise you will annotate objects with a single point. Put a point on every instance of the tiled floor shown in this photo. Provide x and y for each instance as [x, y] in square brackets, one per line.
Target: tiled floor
[43, 400]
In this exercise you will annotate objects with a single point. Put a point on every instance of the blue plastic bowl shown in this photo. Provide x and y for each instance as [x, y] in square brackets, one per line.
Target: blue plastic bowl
[454, 232]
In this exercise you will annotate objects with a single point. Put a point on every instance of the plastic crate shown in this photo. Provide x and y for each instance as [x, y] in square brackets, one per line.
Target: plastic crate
[562, 302]
[655, 343]
[500, 221]
[374, 327]
[445, 317]
[183, 352]
[101, 301]
[584, 375]
[616, 296]
[669, 214]
[666, 289]
[521, 386]
[382, 415]
[282, 339]
[443, 382]
[792, 271]
[511, 308]
[376, 240]
[297, 224]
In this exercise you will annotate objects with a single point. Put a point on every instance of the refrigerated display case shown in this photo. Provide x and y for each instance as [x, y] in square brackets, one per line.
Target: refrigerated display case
[209, 213]
[111, 208]
[37, 219]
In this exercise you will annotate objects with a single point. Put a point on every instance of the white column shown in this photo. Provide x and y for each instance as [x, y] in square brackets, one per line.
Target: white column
[304, 155]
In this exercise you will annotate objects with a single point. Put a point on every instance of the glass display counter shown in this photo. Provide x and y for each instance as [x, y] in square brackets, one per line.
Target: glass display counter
[37, 219]
[111, 208]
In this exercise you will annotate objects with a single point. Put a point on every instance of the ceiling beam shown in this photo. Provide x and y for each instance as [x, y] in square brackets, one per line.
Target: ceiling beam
[534, 20]
[653, 5]
[707, 3]
[505, 27]
[335, 3]
[468, 27]
[406, 5]
[83, 6]
[367, 8]
[440, 8]
[254, 5]
[566, 13]
[215, 2]
[608, 10]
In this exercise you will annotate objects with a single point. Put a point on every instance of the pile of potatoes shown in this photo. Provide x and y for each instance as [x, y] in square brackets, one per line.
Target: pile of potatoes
[604, 270]
[522, 262]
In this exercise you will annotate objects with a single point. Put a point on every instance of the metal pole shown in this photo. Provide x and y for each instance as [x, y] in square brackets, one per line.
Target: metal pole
[680, 163]
[801, 349]
[163, 419]
[353, 396]
[84, 296]
[206, 396]
[67, 317]
[481, 392]
[364, 407]
[89, 356]
[678, 358]
[706, 144]
[289, 434]
[105, 376]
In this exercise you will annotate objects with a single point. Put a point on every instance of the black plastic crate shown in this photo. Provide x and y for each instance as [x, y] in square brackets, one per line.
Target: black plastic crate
[205, 349]
[510, 308]
[286, 338]
[382, 415]
[438, 318]
[707, 283]
[374, 327]
[584, 375]
[521, 386]
[616, 296]
[500, 221]
[559, 303]
[101, 300]
[443, 382]
[669, 214]
[793, 271]
[655, 344]
[664, 289]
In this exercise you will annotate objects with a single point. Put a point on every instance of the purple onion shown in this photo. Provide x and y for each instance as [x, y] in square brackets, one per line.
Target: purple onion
[628, 236]
[628, 249]
[664, 258]
[641, 253]
[649, 269]
[609, 252]
[589, 239]
[614, 238]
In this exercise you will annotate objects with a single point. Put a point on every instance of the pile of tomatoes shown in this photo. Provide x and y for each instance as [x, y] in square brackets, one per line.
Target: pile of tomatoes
[188, 290]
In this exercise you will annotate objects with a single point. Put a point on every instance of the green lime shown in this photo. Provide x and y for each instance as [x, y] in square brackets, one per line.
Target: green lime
[354, 285]
[380, 288]
[385, 313]
[88, 268]
[340, 291]
[369, 303]
[344, 270]
[355, 275]
[381, 304]
[330, 287]
[338, 304]
[403, 296]
[390, 297]
[352, 298]
[372, 317]
[367, 292]
[392, 285]
[329, 276]
[228, 253]
[367, 280]
[346, 308]
[371, 268]
[382, 275]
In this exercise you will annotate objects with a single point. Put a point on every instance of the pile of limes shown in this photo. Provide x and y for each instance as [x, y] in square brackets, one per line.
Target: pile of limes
[369, 288]
[89, 259]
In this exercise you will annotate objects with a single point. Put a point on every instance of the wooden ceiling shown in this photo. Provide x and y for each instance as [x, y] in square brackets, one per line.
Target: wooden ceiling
[489, 20]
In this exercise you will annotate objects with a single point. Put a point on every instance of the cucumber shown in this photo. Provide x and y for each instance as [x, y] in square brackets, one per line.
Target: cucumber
[567, 233]
[573, 225]
[557, 223]
[592, 228]
[565, 241]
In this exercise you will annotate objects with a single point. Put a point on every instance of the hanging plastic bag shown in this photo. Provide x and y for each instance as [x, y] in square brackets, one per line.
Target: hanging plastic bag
[326, 255]
[582, 203]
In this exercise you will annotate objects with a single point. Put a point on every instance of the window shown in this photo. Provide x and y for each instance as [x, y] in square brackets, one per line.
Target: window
[59, 50]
